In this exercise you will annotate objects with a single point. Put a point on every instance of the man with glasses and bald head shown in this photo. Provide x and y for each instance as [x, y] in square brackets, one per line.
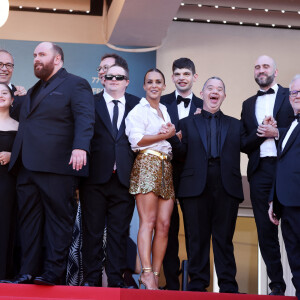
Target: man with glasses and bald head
[104, 194]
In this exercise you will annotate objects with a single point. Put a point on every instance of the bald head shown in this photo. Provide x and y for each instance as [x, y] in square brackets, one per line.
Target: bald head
[265, 71]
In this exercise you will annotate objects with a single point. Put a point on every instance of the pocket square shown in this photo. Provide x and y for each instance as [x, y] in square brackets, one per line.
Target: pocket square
[56, 93]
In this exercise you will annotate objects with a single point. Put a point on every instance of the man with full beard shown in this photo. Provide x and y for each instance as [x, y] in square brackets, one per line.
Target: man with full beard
[56, 126]
[259, 142]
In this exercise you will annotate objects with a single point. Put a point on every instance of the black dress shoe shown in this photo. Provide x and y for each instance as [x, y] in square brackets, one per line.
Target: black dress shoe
[20, 279]
[277, 291]
[41, 280]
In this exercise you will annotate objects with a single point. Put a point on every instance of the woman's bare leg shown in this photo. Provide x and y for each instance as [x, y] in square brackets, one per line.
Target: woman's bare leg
[160, 240]
[147, 206]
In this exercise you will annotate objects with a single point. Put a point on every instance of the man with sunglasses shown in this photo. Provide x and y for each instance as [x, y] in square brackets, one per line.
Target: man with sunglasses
[104, 194]
[259, 143]
[6, 72]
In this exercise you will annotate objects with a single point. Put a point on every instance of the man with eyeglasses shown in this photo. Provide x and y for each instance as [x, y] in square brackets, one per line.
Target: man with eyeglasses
[6, 72]
[285, 194]
[107, 60]
[259, 143]
[104, 194]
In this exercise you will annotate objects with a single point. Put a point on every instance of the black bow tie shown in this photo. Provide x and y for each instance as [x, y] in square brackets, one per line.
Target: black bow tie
[262, 93]
[185, 100]
[297, 117]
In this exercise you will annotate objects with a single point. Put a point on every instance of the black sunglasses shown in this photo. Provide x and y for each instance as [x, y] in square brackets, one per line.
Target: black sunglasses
[118, 77]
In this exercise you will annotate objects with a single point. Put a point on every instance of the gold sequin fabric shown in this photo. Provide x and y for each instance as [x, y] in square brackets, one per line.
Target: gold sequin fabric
[146, 176]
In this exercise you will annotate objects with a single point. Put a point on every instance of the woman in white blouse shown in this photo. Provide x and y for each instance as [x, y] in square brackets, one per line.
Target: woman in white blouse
[148, 126]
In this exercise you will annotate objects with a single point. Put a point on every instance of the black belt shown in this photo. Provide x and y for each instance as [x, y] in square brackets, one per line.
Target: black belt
[269, 158]
[213, 160]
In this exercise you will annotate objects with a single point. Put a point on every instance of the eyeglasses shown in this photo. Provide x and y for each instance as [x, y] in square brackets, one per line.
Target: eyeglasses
[294, 94]
[8, 66]
[104, 68]
[118, 77]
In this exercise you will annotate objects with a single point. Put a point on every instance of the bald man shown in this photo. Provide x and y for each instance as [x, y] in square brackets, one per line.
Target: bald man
[56, 127]
[259, 143]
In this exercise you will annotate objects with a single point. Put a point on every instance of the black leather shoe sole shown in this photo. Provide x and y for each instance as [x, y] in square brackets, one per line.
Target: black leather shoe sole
[43, 281]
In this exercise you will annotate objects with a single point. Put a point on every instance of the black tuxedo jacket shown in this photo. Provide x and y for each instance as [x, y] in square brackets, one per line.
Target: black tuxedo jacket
[105, 149]
[193, 149]
[61, 120]
[170, 102]
[16, 106]
[288, 171]
[283, 114]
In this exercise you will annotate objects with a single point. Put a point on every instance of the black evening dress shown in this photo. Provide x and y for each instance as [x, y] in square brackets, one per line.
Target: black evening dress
[7, 207]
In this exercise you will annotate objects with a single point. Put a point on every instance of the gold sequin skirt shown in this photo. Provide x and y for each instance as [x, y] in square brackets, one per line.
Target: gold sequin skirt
[147, 176]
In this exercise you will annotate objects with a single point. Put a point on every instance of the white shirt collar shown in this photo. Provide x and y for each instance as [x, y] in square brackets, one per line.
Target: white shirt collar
[144, 102]
[190, 96]
[108, 98]
[274, 87]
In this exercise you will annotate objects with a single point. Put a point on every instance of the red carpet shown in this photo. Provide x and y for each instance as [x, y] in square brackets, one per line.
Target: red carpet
[34, 292]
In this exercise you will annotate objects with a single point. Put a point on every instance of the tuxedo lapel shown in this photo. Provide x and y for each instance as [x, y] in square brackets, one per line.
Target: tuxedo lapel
[278, 100]
[252, 110]
[200, 124]
[173, 112]
[46, 91]
[102, 111]
[291, 140]
[225, 122]
[192, 108]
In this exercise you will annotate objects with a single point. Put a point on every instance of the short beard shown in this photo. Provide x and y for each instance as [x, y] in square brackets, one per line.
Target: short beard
[45, 71]
[265, 82]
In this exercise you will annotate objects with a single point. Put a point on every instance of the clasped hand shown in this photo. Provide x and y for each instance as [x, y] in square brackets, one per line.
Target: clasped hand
[168, 129]
[268, 128]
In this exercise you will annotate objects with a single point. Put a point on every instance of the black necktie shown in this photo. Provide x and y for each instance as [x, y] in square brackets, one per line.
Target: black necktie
[213, 137]
[297, 117]
[185, 100]
[262, 93]
[115, 118]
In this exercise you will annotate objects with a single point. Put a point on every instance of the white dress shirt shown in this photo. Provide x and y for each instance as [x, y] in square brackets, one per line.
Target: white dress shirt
[264, 107]
[183, 112]
[110, 106]
[288, 134]
[144, 120]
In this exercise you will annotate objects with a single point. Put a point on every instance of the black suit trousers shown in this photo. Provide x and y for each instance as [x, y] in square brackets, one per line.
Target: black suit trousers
[260, 186]
[111, 204]
[290, 225]
[46, 212]
[212, 214]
